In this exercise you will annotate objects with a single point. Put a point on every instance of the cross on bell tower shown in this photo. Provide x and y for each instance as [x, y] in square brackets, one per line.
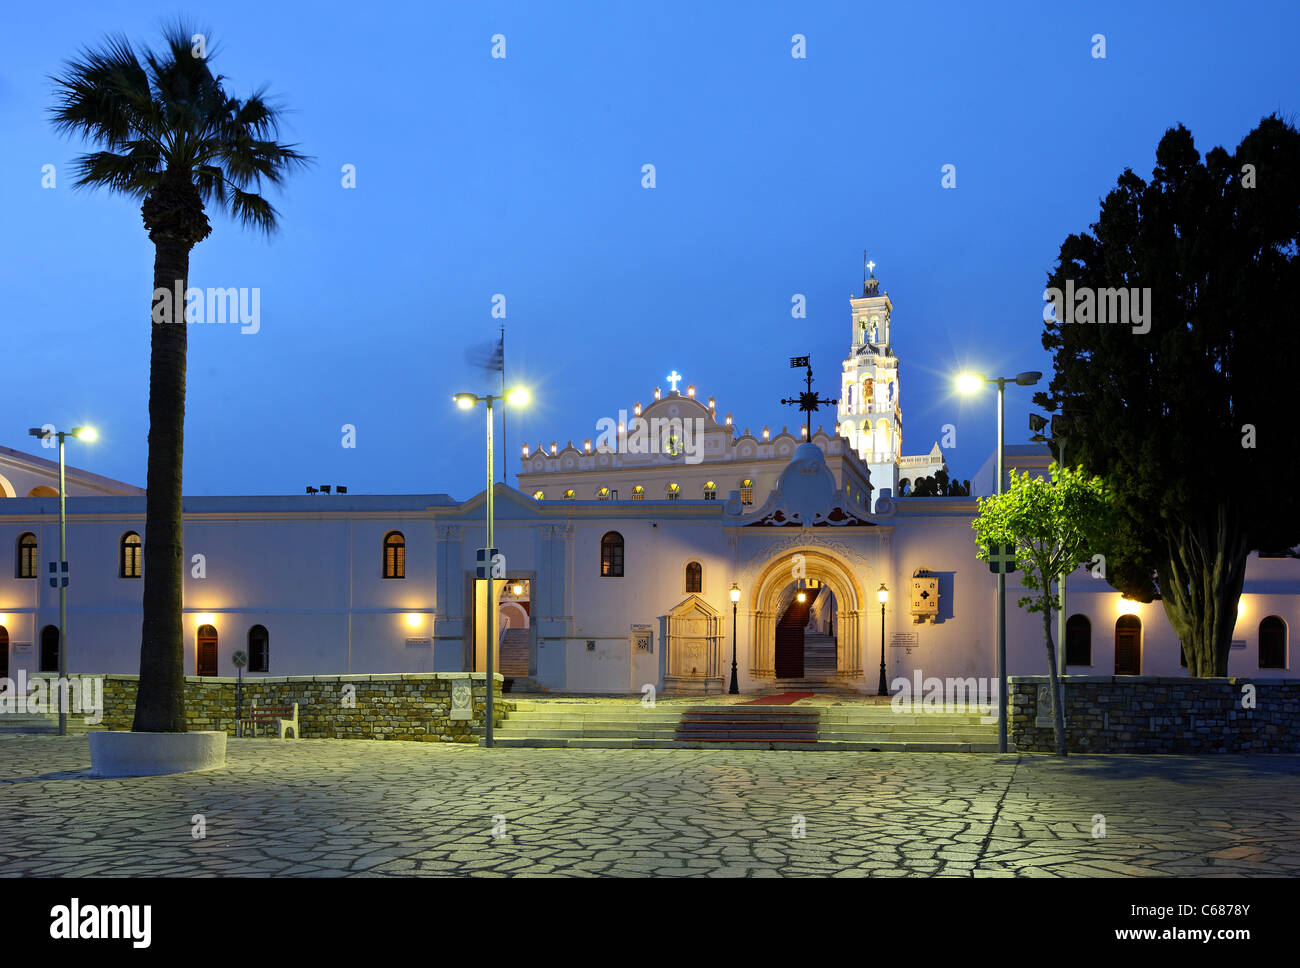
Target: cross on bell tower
[808, 401]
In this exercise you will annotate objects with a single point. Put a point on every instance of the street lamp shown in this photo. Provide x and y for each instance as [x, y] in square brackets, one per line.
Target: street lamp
[968, 383]
[882, 596]
[466, 401]
[87, 434]
[735, 597]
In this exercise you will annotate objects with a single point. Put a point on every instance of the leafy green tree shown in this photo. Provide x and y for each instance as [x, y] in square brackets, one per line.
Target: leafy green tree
[1053, 525]
[1189, 413]
[172, 137]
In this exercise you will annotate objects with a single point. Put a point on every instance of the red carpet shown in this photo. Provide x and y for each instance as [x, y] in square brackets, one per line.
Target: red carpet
[780, 699]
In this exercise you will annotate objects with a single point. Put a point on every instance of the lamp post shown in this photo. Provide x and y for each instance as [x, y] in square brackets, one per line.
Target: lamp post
[466, 401]
[735, 597]
[81, 433]
[969, 383]
[882, 595]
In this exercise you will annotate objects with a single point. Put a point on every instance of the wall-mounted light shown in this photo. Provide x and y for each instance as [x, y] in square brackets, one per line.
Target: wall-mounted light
[205, 618]
[414, 620]
[516, 589]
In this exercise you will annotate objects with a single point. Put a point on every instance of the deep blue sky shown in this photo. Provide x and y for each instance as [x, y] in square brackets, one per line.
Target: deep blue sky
[523, 176]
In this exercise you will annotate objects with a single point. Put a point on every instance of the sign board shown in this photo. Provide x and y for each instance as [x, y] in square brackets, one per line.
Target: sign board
[1238, 643]
[485, 558]
[1002, 559]
[22, 648]
[903, 640]
[420, 643]
[240, 659]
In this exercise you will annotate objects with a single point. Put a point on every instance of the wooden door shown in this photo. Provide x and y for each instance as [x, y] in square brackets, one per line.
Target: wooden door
[50, 649]
[206, 664]
[1128, 646]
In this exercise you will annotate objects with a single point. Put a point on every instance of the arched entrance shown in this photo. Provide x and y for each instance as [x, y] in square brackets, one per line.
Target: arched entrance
[835, 585]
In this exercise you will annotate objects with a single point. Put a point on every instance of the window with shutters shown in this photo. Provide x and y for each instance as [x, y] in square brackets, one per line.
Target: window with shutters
[394, 555]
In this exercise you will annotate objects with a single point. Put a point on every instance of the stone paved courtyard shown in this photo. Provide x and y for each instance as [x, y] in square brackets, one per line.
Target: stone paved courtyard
[364, 808]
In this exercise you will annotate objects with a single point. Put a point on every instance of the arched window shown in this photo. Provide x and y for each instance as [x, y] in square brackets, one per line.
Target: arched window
[569, 495]
[44, 490]
[205, 661]
[638, 493]
[1128, 646]
[674, 491]
[694, 577]
[128, 556]
[1078, 641]
[710, 491]
[50, 649]
[1272, 643]
[538, 496]
[747, 491]
[25, 565]
[259, 649]
[611, 555]
[602, 494]
[394, 555]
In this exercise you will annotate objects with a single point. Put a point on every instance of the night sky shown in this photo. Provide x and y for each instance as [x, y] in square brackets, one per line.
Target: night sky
[522, 176]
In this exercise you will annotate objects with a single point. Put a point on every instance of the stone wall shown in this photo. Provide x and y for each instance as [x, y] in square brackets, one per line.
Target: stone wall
[1140, 714]
[409, 706]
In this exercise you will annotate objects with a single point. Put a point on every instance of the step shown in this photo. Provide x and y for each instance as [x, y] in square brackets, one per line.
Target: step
[846, 747]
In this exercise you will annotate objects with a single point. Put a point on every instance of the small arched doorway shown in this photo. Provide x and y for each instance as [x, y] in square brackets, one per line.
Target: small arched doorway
[1128, 646]
[206, 653]
[50, 649]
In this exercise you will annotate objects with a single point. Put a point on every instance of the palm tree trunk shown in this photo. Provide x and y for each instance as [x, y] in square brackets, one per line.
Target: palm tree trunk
[160, 702]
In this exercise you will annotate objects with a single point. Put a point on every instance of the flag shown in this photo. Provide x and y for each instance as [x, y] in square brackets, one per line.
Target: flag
[798, 361]
[488, 356]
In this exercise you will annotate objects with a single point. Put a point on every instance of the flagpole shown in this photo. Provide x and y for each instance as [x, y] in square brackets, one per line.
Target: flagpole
[505, 465]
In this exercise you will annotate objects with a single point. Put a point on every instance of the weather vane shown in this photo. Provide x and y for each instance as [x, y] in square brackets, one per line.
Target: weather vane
[808, 401]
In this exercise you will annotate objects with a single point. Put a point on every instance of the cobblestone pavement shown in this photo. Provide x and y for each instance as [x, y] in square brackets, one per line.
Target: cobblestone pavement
[339, 807]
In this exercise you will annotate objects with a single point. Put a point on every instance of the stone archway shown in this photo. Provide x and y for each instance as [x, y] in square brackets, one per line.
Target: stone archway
[765, 600]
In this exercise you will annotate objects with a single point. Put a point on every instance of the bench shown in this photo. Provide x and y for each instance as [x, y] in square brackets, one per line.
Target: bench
[285, 718]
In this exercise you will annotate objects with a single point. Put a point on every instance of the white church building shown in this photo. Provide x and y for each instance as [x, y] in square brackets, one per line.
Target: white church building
[643, 557]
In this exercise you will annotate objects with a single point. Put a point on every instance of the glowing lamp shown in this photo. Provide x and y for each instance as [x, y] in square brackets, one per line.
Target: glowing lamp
[882, 594]
[519, 397]
[88, 434]
[968, 383]
[1127, 606]
[802, 597]
[465, 400]
[205, 618]
[414, 620]
[735, 593]
[516, 589]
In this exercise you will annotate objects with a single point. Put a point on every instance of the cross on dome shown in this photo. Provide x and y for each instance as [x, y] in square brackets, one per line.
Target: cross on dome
[872, 267]
[673, 378]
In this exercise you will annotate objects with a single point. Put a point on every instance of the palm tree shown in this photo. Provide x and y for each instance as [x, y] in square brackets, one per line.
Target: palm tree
[172, 137]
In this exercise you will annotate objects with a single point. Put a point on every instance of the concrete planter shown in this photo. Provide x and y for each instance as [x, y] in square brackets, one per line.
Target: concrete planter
[152, 754]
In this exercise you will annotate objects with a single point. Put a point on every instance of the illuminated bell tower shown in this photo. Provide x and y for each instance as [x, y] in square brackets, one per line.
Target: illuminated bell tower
[869, 412]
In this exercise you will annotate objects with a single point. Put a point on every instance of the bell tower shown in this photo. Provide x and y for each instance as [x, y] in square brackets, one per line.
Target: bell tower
[869, 412]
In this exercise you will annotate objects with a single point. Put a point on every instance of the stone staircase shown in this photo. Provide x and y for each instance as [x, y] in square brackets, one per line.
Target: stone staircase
[514, 654]
[740, 724]
[571, 724]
